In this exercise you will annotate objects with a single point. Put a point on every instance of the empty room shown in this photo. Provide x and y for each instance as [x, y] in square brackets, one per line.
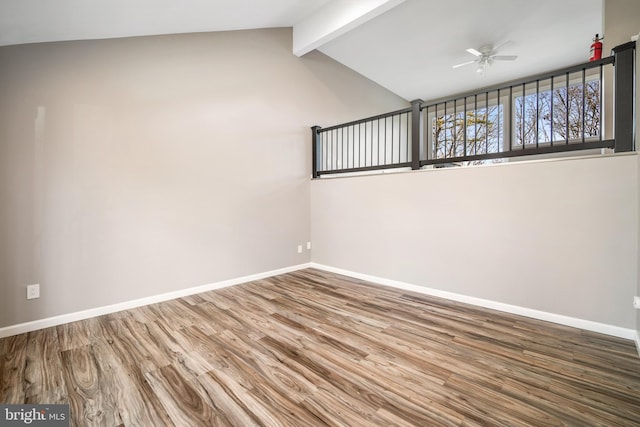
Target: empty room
[319, 212]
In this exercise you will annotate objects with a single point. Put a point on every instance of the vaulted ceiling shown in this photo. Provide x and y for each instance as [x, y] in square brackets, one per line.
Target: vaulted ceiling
[407, 46]
[411, 49]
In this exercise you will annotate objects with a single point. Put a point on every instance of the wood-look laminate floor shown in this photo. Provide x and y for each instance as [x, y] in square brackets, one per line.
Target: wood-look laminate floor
[314, 348]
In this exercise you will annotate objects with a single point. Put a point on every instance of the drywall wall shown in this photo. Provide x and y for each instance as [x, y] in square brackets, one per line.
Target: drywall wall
[135, 167]
[556, 236]
[621, 22]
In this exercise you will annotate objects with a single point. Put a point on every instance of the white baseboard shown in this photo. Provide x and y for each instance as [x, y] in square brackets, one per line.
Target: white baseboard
[99, 311]
[588, 325]
[522, 311]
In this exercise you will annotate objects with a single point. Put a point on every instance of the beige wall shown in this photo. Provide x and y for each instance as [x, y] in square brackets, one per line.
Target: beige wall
[555, 236]
[134, 167]
[621, 22]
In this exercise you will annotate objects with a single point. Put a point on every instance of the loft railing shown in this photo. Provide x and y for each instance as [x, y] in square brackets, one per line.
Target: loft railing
[564, 110]
[378, 142]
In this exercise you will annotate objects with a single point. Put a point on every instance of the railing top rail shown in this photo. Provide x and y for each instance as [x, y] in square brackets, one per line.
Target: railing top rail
[524, 81]
[368, 119]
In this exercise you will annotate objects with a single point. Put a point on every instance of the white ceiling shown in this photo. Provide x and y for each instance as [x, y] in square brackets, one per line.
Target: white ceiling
[29, 21]
[409, 49]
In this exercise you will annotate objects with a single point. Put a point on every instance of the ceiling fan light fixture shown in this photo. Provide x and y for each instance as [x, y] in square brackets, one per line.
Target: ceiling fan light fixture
[485, 57]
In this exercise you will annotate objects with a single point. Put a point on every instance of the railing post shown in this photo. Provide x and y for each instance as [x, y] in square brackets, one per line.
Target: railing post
[315, 150]
[624, 111]
[416, 126]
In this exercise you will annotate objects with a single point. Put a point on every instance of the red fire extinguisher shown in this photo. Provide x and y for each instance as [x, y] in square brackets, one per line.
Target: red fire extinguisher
[596, 48]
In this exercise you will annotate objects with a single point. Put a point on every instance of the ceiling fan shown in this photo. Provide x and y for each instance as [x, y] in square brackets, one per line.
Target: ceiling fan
[485, 56]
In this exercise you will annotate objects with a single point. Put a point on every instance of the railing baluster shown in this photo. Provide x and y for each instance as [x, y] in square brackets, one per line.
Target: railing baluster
[399, 137]
[522, 118]
[498, 110]
[584, 103]
[378, 140]
[352, 140]
[407, 151]
[366, 144]
[385, 141]
[442, 142]
[334, 144]
[551, 113]
[486, 122]
[336, 150]
[346, 145]
[356, 160]
[537, 113]
[353, 145]
[360, 142]
[365, 138]
[445, 121]
[436, 134]
[360, 164]
[566, 96]
[334, 153]
[454, 128]
[600, 103]
[512, 118]
[326, 155]
[325, 150]
[427, 139]
[464, 127]
[475, 124]
[392, 136]
[346, 150]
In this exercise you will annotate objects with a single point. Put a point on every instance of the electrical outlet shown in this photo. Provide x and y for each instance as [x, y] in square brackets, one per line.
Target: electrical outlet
[299, 249]
[33, 291]
[636, 302]
[308, 245]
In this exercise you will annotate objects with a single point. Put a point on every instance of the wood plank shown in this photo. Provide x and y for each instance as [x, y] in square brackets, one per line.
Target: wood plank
[12, 369]
[185, 404]
[43, 378]
[90, 387]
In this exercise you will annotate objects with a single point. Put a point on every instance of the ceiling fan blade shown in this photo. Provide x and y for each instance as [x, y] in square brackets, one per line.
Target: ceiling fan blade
[463, 64]
[504, 57]
[474, 52]
[497, 47]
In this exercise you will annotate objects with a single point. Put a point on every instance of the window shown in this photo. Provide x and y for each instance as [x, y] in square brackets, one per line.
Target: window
[468, 127]
[567, 111]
